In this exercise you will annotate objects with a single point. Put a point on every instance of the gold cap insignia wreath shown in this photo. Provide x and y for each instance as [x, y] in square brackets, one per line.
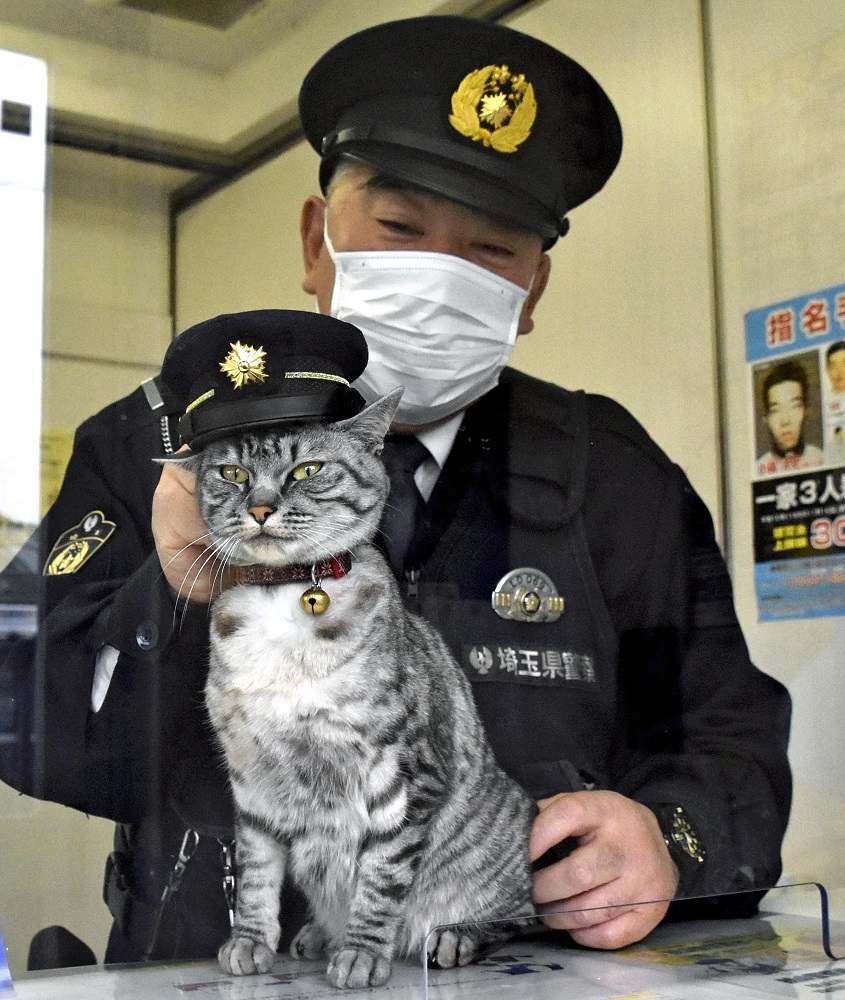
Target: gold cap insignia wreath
[494, 106]
[244, 364]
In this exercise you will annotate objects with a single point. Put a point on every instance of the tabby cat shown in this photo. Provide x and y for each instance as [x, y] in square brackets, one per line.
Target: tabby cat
[357, 759]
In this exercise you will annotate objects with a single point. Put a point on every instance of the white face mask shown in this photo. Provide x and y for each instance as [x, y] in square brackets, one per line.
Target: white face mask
[438, 325]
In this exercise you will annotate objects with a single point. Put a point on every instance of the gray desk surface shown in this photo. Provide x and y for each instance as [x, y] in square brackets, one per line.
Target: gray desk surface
[771, 956]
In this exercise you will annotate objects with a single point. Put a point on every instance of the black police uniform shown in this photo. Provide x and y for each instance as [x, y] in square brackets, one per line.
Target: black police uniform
[670, 710]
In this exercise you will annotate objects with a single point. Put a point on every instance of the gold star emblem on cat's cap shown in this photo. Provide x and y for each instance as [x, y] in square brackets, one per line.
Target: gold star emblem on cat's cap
[244, 364]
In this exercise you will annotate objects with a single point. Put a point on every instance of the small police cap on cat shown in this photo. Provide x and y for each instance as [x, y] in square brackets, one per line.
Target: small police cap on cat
[263, 368]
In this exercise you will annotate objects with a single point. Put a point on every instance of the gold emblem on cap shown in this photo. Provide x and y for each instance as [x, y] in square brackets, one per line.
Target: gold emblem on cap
[494, 106]
[244, 364]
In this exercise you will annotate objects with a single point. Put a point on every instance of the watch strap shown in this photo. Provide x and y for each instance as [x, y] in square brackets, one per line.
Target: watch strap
[680, 836]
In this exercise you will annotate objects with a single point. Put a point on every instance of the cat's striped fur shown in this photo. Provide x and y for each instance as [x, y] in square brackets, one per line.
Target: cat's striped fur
[356, 756]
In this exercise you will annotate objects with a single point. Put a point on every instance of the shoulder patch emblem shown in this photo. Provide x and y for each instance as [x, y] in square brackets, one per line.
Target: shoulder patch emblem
[74, 547]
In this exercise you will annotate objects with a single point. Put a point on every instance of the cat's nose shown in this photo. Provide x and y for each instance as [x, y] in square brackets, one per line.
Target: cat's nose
[261, 512]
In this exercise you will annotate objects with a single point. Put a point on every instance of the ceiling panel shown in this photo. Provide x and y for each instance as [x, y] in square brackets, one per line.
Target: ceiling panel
[220, 14]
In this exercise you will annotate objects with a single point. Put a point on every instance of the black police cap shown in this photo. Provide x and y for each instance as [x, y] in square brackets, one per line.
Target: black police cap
[477, 112]
[263, 368]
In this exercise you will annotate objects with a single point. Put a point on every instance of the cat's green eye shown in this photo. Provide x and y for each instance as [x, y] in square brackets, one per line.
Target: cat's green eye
[234, 473]
[306, 470]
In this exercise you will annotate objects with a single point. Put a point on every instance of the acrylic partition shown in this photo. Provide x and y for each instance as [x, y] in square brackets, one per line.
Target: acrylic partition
[152, 176]
[791, 947]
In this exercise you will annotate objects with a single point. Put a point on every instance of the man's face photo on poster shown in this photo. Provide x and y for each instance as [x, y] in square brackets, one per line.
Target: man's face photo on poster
[785, 412]
[835, 366]
[788, 426]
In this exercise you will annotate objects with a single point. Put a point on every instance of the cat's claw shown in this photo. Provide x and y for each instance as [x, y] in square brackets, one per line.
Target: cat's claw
[356, 968]
[309, 942]
[241, 956]
[448, 948]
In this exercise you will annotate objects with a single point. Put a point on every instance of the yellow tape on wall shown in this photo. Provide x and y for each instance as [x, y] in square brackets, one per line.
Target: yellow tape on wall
[56, 446]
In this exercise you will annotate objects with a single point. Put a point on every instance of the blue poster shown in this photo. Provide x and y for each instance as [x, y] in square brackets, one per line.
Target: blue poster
[796, 355]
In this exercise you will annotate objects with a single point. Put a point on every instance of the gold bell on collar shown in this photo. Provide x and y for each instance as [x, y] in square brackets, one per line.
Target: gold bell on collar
[315, 600]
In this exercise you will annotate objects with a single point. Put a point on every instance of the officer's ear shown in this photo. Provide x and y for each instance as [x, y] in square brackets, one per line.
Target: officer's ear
[311, 222]
[538, 286]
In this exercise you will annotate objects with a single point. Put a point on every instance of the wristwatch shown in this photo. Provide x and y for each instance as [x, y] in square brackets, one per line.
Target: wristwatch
[681, 838]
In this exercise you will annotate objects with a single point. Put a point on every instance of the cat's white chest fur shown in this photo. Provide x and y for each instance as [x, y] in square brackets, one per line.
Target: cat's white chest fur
[265, 642]
[282, 678]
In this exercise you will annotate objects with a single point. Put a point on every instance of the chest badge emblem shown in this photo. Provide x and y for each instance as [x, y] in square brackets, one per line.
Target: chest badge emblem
[527, 595]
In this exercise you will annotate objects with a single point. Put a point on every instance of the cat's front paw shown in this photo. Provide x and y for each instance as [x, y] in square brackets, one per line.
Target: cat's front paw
[356, 968]
[243, 956]
[447, 948]
[309, 942]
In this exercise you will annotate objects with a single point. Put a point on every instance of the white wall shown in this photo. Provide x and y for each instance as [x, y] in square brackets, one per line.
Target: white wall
[239, 249]
[780, 142]
[629, 311]
[107, 273]
[106, 329]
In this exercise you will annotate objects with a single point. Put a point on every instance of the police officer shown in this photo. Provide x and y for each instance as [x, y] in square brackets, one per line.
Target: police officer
[567, 561]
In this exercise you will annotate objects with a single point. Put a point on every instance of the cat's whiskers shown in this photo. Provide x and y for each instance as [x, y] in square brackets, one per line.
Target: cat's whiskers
[227, 558]
[217, 572]
[212, 555]
[209, 553]
[321, 544]
[176, 555]
[322, 549]
[185, 578]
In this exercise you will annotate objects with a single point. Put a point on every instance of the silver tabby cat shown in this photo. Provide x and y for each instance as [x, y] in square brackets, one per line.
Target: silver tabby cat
[357, 759]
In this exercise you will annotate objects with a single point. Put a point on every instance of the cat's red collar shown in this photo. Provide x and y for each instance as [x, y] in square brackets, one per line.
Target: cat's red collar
[267, 576]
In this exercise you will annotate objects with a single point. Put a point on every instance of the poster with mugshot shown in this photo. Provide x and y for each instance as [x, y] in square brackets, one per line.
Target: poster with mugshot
[796, 356]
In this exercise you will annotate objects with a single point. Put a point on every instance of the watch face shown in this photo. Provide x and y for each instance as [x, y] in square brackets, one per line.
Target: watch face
[684, 836]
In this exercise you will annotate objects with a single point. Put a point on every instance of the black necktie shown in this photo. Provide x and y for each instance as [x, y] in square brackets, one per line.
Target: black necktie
[402, 456]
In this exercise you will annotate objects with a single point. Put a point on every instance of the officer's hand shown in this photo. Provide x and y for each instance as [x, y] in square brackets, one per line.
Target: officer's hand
[181, 536]
[620, 858]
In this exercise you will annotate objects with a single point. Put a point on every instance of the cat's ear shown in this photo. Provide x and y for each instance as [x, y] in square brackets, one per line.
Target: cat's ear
[187, 460]
[371, 424]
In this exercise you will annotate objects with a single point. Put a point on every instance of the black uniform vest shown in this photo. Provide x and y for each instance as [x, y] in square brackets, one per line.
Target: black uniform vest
[511, 497]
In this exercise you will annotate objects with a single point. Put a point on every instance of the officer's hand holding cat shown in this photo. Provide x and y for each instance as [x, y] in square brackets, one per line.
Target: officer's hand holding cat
[181, 536]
